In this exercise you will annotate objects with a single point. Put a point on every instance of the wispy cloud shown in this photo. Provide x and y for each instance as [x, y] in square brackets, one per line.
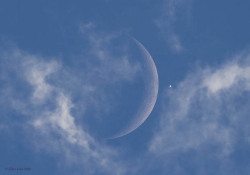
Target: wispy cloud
[53, 97]
[77, 145]
[36, 74]
[207, 113]
[166, 21]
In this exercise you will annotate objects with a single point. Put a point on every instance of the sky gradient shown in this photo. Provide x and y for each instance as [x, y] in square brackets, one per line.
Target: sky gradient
[71, 75]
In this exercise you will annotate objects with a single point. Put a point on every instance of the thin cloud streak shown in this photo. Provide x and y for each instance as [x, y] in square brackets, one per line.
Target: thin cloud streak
[203, 111]
[166, 22]
[47, 101]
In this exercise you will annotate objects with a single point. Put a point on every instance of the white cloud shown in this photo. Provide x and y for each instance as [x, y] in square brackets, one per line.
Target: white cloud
[52, 91]
[101, 45]
[226, 77]
[36, 75]
[206, 110]
[175, 42]
[61, 122]
[169, 16]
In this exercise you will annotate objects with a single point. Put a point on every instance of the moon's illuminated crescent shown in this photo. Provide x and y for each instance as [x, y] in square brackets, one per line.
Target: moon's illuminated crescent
[151, 89]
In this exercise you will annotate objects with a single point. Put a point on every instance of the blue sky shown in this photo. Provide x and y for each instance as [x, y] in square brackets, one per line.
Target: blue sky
[70, 75]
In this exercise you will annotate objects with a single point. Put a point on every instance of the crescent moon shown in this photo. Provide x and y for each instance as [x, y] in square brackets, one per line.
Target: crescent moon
[151, 83]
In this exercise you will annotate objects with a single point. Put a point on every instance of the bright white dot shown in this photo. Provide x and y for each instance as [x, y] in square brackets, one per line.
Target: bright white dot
[170, 85]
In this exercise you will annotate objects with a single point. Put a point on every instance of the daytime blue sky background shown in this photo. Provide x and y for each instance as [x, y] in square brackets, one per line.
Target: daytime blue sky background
[70, 75]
